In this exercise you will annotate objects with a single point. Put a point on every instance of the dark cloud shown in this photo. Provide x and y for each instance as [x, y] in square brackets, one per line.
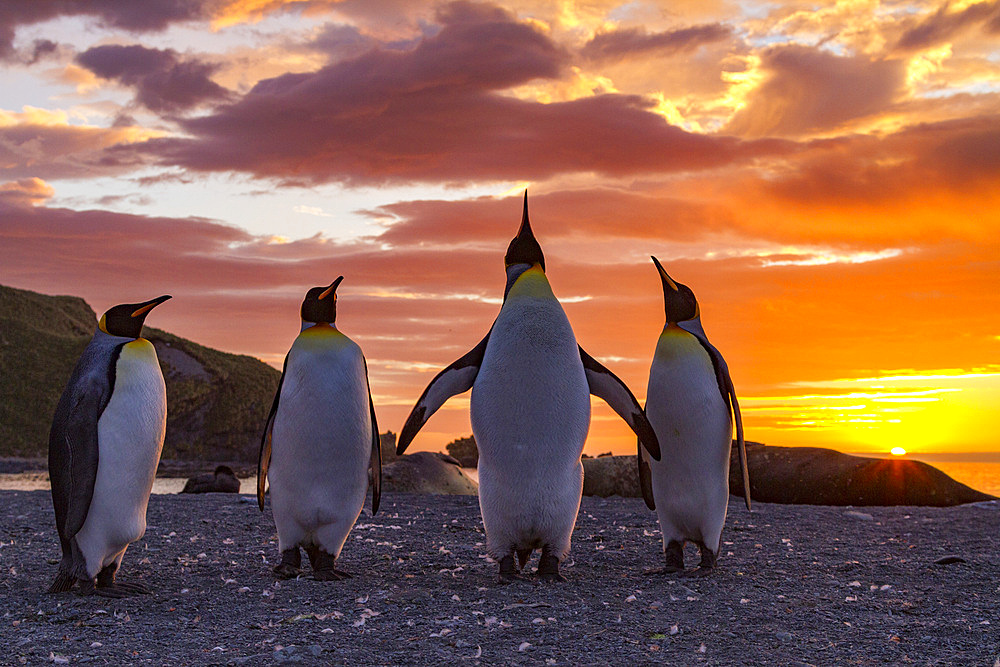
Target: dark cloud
[594, 213]
[342, 41]
[163, 81]
[629, 42]
[808, 90]
[959, 157]
[436, 113]
[138, 16]
[944, 24]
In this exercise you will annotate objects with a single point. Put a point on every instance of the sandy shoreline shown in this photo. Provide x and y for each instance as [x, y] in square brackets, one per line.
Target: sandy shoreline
[796, 585]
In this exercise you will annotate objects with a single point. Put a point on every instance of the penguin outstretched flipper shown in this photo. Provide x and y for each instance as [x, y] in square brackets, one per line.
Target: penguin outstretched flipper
[376, 460]
[608, 386]
[264, 457]
[73, 457]
[455, 379]
[645, 477]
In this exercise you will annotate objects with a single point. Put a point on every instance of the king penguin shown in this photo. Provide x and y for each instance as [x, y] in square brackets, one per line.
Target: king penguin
[319, 441]
[104, 447]
[530, 409]
[692, 406]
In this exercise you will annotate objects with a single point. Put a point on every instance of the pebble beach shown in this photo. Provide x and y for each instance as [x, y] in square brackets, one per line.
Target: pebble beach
[796, 585]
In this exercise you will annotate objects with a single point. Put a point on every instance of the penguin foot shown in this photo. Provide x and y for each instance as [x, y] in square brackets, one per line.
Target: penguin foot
[548, 568]
[700, 571]
[87, 588]
[106, 583]
[650, 571]
[673, 557]
[508, 572]
[324, 565]
[286, 571]
[707, 564]
[290, 565]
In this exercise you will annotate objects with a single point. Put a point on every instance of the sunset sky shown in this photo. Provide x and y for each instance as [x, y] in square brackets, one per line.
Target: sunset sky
[824, 175]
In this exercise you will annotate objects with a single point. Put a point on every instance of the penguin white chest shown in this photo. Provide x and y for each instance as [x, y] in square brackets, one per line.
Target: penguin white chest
[321, 441]
[130, 438]
[531, 401]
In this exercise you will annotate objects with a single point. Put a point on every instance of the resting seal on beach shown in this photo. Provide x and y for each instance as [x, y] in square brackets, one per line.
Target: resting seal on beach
[223, 480]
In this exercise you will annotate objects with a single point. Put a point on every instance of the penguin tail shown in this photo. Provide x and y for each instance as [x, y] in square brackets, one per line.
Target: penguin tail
[64, 581]
[522, 557]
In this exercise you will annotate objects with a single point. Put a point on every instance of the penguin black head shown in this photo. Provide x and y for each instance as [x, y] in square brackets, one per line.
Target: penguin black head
[126, 319]
[320, 304]
[679, 302]
[524, 249]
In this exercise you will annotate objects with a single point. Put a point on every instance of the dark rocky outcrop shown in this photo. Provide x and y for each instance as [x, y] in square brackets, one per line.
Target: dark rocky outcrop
[611, 476]
[216, 402]
[818, 476]
[465, 450]
[427, 472]
[387, 445]
[223, 480]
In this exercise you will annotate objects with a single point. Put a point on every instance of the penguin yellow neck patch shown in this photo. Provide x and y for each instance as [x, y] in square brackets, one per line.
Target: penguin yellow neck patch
[532, 283]
[140, 347]
[320, 330]
[675, 342]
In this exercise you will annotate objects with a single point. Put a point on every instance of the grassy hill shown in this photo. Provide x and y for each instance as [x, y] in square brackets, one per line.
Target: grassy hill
[216, 402]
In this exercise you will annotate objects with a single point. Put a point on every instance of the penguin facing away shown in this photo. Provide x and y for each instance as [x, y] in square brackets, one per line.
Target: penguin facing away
[530, 409]
[104, 447]
[319, 441]
[691, 403]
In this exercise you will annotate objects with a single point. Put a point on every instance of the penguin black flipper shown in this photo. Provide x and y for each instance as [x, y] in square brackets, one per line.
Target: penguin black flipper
[73, 445]
[608, 386]
[264, 457]
[376, 459]
[728, 392]
[645, 476]
[455, 379]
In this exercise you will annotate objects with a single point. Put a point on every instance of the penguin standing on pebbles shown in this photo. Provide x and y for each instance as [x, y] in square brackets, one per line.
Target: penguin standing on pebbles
[319, 442]
[104, 447]
[691, 403]
[530, 409]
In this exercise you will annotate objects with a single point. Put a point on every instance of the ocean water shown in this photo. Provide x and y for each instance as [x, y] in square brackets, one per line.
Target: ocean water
[982, 475]
[980, 470]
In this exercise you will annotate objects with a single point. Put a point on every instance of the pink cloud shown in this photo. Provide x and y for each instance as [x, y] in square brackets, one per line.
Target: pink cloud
[164, 81]
[808, 90]
[626, 43]
[436, 113]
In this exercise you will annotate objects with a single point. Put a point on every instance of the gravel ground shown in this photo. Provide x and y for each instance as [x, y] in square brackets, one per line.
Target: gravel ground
[796, 585]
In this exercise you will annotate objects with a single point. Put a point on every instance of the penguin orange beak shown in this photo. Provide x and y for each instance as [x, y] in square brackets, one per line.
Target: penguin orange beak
[147, 306]
[664, 276]
[331, 289]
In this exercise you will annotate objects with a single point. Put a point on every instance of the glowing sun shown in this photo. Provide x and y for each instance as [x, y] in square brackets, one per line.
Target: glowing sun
[897, 451]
